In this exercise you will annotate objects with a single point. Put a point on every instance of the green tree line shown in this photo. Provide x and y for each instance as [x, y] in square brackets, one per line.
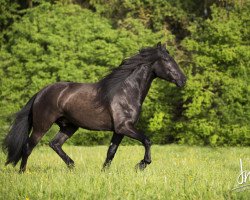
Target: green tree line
[43, 42]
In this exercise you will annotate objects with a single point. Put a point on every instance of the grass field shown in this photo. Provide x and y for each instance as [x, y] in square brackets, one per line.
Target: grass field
[177, 172]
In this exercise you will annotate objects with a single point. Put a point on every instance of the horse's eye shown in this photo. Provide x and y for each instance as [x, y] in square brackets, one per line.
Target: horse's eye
[165, 59]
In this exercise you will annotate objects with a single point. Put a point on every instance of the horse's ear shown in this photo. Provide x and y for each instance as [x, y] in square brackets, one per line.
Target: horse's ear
[164, 45]
[159, 45]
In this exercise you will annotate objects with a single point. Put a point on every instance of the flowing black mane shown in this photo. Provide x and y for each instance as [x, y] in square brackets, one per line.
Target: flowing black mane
[108, 86]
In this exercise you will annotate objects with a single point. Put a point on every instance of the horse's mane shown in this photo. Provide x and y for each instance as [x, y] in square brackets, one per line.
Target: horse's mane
[109, 85]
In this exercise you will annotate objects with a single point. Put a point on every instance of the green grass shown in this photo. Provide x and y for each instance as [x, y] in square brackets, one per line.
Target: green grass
[177, 172]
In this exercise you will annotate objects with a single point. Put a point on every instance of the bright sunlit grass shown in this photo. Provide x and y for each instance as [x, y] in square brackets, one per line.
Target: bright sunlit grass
[177, 172]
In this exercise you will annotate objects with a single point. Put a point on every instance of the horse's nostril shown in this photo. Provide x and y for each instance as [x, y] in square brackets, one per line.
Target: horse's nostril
[181, 82]
[184, 80]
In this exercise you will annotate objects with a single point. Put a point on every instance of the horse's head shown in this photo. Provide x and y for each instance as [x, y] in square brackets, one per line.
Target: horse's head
[166, 68]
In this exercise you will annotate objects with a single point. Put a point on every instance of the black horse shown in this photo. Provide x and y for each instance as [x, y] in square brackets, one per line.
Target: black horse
[112, 104]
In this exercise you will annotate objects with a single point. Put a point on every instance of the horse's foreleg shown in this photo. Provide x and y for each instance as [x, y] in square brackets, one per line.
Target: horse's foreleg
[57, 142]
[115, 141]
[131, 132]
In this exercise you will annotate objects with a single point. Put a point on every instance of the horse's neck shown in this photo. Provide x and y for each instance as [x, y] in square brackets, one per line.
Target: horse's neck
[141, 79]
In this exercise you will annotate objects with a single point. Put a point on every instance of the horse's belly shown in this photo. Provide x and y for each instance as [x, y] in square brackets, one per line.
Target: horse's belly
[90, 119]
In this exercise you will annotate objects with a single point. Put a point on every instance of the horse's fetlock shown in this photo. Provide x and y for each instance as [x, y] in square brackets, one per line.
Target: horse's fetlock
[147, 161]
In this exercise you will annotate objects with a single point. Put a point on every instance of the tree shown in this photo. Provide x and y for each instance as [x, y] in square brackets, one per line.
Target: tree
[63, 43]
[217, 97]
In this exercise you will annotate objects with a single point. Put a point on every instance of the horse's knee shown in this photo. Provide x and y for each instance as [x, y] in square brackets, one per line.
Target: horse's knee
[53, 145]
[147, 143]
[111, 151]
[112, 148]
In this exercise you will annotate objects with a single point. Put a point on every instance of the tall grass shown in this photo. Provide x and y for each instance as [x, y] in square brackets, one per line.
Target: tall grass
[177, 172]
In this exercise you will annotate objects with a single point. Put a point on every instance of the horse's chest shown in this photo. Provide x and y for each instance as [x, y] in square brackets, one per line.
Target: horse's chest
[124, 111]
[133, 112]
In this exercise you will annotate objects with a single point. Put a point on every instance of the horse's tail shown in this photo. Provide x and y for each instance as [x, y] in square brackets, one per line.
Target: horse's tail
[19, 133]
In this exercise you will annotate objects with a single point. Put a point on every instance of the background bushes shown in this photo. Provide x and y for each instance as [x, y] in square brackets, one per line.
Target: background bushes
[82, 40]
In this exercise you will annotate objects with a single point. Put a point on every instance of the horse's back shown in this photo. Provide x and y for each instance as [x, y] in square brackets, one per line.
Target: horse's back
[75, 103]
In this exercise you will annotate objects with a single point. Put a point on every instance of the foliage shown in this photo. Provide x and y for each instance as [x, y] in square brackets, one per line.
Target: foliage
[58, 41]
[8, 13]
[217, 96]
[42, 49]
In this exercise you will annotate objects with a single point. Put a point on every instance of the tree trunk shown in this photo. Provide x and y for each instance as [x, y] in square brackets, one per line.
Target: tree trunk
[29, 3]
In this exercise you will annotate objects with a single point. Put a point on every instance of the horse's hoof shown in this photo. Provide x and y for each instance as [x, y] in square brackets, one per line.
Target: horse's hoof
[21, 171]
[140, 166]
[105, 167]
[71, 166]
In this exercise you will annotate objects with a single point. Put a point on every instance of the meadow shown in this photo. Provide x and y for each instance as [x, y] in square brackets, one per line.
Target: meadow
[177, 172]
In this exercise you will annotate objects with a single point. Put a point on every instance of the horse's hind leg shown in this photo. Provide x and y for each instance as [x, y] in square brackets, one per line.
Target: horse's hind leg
[61, 137]
[29, 146]
[40, 127]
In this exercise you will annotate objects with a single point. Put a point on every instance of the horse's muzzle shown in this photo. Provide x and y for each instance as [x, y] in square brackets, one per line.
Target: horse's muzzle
[181, 83]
